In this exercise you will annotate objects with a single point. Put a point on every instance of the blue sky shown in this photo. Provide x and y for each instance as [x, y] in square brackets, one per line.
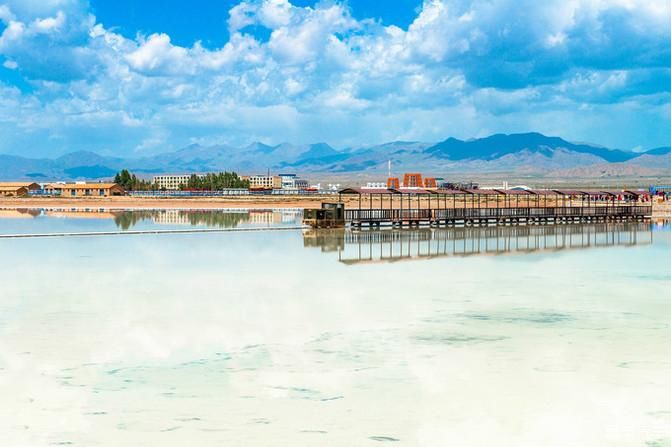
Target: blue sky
[133, 78]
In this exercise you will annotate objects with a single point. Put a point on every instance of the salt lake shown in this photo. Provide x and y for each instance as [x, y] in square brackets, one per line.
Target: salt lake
[471, 337]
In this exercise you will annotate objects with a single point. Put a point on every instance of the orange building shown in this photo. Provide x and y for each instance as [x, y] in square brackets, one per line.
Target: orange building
[393, 183]
[430, 182]
[17, 189]
[85, 189]
[412, 180]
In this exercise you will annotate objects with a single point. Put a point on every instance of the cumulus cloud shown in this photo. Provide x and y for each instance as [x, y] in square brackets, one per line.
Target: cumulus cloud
[462, 67]
[6, 15]
[157, 55]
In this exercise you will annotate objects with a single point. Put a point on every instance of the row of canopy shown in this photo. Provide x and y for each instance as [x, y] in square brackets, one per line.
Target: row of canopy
[633, 195]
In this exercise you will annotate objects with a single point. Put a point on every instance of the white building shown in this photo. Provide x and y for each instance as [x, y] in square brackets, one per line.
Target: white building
[172, 182]
[288, 181]
[263, 181]
[292, 181]
[376, 185]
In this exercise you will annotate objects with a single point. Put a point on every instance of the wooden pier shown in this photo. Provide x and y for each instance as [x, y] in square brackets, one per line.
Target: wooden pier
[500, 216]
[421, 207]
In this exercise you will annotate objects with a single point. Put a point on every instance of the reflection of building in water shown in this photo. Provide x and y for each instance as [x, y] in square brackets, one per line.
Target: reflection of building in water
[171, 217]
[294, 217]
[83, 214]
[208, 218]
[214, 219]
[355, 247]
[264, 217]
[19, 213]
[275, 217]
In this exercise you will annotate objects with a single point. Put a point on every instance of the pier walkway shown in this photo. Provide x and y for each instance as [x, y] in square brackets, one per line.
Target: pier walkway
[409, 217]
[415, 207]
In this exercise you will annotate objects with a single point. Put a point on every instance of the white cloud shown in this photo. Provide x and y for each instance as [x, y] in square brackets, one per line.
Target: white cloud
[240, 16]
[157, 55]
[48, 25]
[13, 33]
[275, 13]
[6, 15]
[461, 67]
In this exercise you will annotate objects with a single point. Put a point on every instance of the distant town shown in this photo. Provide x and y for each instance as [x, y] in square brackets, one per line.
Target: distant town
[124, 182]
[231, 184]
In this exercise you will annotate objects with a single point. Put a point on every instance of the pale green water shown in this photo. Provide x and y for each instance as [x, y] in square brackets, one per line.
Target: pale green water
[286, 339]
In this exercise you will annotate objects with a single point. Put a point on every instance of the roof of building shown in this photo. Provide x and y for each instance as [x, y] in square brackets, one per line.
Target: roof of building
[83, 185]
[491, 192]
[570, 192]
[638, 193]
[415, 191]
[482, 191]
[516, 192]
[449, 191]
[18, 184]
[12, 188]
[598, 193]
[621, 193]
[544, 192]
[368, 191]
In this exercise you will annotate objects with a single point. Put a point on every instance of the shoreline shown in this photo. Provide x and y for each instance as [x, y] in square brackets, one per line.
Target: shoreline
[159, 203]
[126, 203]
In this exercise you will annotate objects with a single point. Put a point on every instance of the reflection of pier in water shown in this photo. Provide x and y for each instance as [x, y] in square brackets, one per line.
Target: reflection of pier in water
[354, 247]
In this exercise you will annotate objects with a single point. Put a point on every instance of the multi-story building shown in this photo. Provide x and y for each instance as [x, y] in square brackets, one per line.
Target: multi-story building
[413, 180]
[430, 182]
[393, 183]
[288, 181]
[299, 183]
[292, 181]
[171, 182]
[263, 181]
[376, 185]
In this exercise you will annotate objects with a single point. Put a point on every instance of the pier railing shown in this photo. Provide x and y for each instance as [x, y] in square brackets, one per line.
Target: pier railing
[405, 215]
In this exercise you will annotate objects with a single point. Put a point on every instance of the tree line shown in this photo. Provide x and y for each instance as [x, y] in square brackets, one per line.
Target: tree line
[131, 182]
[216, 182]
[207, 182]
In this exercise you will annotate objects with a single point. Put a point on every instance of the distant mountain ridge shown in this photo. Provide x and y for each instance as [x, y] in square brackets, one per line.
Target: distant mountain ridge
[529, 153]
[499, 145]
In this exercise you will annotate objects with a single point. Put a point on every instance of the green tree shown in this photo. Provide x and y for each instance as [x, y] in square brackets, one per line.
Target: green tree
[216, 181]
[131, 182]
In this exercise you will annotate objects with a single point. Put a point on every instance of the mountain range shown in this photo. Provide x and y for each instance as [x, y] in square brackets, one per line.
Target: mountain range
[526, 153]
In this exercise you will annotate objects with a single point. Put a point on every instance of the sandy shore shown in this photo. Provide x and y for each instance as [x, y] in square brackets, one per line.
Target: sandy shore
[662, 210]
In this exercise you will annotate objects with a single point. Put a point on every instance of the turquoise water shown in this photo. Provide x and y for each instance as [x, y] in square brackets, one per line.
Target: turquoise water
[421, 338]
